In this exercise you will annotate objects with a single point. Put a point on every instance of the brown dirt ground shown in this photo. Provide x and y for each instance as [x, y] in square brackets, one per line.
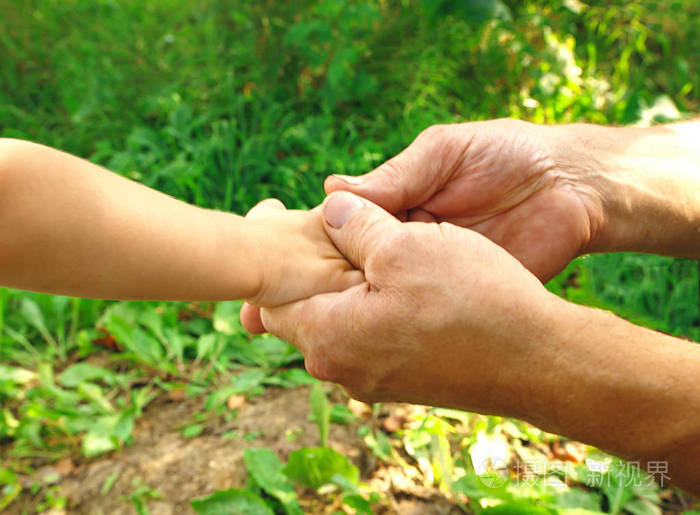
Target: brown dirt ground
[181, 469]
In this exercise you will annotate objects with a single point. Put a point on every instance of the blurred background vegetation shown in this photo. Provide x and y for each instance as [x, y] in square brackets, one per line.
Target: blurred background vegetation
[225, 103]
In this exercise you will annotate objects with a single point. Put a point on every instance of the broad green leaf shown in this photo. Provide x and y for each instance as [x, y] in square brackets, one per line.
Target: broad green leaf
[120, 329]
[32, 313]
[276, 351]
[246, 382]
[441, 457]
[359, 503]
[519, 508]
[316, 466]
[225, 317]
[97, 442]
[341, 414]
[10, 487]
[93, 393]
[231, 502]
[377, 442]
[107, 433]
[108, 483]
[206, 345]
[478, 487]
[266, 470]
[148, 347]
[578, 498]
[79, 372]
[625, 484]
[16, 374]
[192, 430]
[641, 506]
[249, 380]
[291, 378]
[320, 412]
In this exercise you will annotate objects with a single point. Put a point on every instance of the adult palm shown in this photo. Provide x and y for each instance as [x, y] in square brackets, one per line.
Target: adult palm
[517, 183]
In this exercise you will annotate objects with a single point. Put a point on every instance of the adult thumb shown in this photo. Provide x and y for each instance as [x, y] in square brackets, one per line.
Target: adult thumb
[408, 179]
[356, 226]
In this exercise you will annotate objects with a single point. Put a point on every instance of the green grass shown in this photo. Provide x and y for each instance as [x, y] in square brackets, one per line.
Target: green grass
[224, 104]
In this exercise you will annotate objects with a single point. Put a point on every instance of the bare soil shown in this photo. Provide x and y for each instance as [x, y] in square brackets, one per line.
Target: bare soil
[180, 469]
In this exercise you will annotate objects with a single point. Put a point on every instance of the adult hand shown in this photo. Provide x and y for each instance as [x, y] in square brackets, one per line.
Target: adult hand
[505, 179]
[445, 317]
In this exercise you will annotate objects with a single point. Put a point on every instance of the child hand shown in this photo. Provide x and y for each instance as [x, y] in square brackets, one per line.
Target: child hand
[295, 258]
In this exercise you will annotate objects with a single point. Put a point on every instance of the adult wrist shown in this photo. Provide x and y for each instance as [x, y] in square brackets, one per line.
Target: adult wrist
[645, 181]
[604, 381]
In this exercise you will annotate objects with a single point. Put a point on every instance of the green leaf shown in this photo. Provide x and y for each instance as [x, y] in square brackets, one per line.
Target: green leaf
[32, 313]
[93, 393]
[109, 483]
[276, 351]
[225, 317]
[266, 470]
[578, 498]
[206, 345]
[249, 380]
[519, 508]
[79, 372]
[107, 433]
[192, 430]
[148, 347]
[16, 374]
[316, 466]
[320, 412]
[246, 382]
[641, 506]
[231, 502]
[377, 442]
[341, 414]
[359, 503]
[625, 485]
[478, 487]
[97, 442]
[10, 487]
[291, 378]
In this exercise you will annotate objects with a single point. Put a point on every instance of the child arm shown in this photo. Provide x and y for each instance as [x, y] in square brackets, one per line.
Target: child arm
[70, 227]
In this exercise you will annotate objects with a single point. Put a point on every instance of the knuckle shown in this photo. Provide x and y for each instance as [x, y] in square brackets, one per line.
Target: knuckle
[393, 171]
[392, 247]
[436, 132]
[320, 368]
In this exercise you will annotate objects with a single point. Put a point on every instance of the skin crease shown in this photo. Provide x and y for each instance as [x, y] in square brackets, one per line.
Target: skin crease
[545, 194]
[70, 227]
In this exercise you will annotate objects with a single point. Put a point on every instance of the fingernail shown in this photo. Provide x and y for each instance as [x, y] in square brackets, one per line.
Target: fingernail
[339, 207]
[350, 179]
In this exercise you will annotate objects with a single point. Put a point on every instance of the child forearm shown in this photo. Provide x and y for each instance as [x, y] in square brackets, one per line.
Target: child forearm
[70, 227]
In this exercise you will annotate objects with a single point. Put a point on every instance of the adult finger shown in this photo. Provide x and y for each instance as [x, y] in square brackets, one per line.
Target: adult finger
[251, 320]
[356, 226]
[312, 323]
[410, 178]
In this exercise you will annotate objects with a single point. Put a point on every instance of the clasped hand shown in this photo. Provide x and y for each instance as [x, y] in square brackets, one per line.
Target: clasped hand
[428, 286]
